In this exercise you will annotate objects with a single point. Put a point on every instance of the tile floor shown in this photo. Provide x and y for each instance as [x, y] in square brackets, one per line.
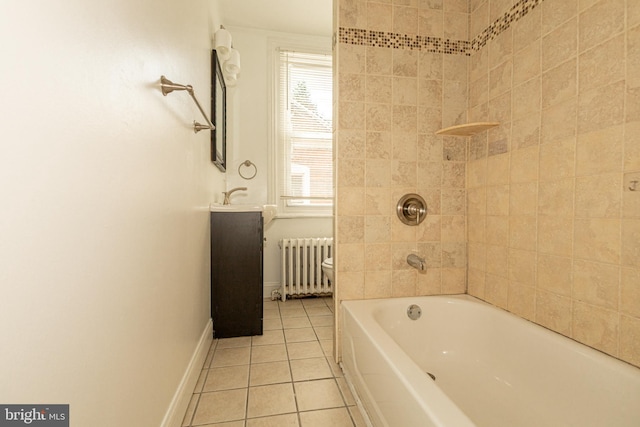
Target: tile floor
[283, 378]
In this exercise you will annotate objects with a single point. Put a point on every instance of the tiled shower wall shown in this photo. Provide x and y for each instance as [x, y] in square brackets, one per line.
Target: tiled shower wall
[553, 225]
[395, 91]
[552, 228]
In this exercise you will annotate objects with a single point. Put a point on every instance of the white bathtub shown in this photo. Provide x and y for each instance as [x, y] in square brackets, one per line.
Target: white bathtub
[492, 368]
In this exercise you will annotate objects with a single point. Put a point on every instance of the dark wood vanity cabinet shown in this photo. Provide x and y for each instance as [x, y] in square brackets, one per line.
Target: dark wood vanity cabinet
[236, 273]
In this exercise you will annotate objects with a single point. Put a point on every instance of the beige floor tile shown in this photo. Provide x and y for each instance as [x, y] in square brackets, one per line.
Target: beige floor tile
[271, 313]
[271, 400]
[268, 353]
[318, 311]
[287, 420]
[310, 369]
[269, 373]
[229, 424]
[296, 322]
[335, 368]
[269, 337]
[231, 356]
[313, 302]
[221, 406]
[338, 417]
[324, 332]
[234, 342]
[271, 324]
[201, 379]
[321, 320]
[299, 335]
[319, 394]
[292, 312]
[304, 350]
[290, 303]
[327, 347]
[227, 378]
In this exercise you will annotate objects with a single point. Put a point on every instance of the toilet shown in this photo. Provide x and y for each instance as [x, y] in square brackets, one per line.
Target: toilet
[327, 268]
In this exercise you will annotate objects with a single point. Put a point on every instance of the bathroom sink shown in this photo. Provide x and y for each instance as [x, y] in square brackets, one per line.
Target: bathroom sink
[268, 211]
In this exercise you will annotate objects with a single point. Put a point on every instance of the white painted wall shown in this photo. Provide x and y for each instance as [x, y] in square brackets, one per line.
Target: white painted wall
[248, 139]
[104, 192]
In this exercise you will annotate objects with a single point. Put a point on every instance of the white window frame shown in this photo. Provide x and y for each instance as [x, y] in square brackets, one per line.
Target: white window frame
[319, 45]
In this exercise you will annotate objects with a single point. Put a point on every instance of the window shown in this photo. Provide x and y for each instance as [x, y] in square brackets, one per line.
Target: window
[304, 132]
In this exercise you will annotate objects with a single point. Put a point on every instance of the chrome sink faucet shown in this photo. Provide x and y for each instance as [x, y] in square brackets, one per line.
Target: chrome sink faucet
[227, 194]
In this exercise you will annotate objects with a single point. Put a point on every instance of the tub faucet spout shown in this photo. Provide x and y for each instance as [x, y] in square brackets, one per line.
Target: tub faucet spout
[227, 194]
[416, 262]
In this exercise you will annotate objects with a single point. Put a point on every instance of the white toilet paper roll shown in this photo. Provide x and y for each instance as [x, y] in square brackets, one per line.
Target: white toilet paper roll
[222, 42]
[232, 65]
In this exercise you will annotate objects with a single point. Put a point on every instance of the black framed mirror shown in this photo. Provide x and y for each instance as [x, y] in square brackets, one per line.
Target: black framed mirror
[219, 114]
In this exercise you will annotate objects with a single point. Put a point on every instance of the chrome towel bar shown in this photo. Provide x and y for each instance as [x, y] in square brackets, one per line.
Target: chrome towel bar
[168, 86]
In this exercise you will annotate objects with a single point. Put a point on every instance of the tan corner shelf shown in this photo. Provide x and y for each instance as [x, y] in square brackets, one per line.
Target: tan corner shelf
[468, 129]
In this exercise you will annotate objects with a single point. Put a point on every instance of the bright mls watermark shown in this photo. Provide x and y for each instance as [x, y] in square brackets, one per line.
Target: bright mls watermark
[34, 415]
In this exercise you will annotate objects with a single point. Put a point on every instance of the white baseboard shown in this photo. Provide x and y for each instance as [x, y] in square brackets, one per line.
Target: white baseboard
[178, 407]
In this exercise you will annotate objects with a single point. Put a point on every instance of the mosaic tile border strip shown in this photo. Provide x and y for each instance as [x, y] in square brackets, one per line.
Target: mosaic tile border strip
[362, 37]
[517, 11]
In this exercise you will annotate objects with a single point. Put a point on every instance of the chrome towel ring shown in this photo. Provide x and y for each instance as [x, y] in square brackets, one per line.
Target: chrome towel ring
[248, 164]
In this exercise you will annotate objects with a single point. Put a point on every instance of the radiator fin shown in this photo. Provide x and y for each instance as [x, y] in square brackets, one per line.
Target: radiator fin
[301, 266]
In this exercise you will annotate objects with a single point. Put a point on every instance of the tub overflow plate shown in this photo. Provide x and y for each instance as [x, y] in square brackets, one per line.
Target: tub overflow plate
[414, 312]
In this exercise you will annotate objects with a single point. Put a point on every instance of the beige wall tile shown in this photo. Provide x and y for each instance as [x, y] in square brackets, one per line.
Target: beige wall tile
[351, 115]
[476, 228]
[377, 256]
[352, 59]
[404, 145]
[527, 62]
[526, 98]
[501, 47]
[430, 22]
[429, 283]
[379, 61]
[521, 300]
[603, 64]
[556, 12]
[554, 274]
[557, 160]
[378, 89]
[379, 16]
[633, 55]
[630, 339]
[378, 145]
[453, 174]
[476, 173]
[377, 284]
[454, 280]
[453, 228]
[554, 312]
[525, 131]
[633, 14]
[498, 260]
[630, 291]
[403, 283]
[560, 83]
[377, 173]
[527, 29]
[600, 22]
[499, 81]
[352, 13]
[498, 200]
[351, 201]
[430, 65]
[496, 290]
[430, 230]
[498, 169]
[560, 44]
[601, 107]
[596, 327]
[352, 144]
[523, 198]
[497, 230]
[524, 164]
[479, 19]
[475, 284]
[352, 172]
[351, 257]
[456, 25]
[352, 285]
[597, 239]
[596, 283]
[631, 242]
[600, 151]
[522, 266]
[632, 146]
[351, 87]
[377, 229]
[405, 63]
[477, 257]
[522, 232]
[559, 121]
[631, 199]
[479, 91]
[599, 196]
[556, 197]
[405, 20]
[350, 229]
[555, 234]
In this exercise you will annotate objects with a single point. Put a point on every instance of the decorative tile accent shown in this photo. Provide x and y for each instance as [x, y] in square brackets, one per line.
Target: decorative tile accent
[363, 37]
